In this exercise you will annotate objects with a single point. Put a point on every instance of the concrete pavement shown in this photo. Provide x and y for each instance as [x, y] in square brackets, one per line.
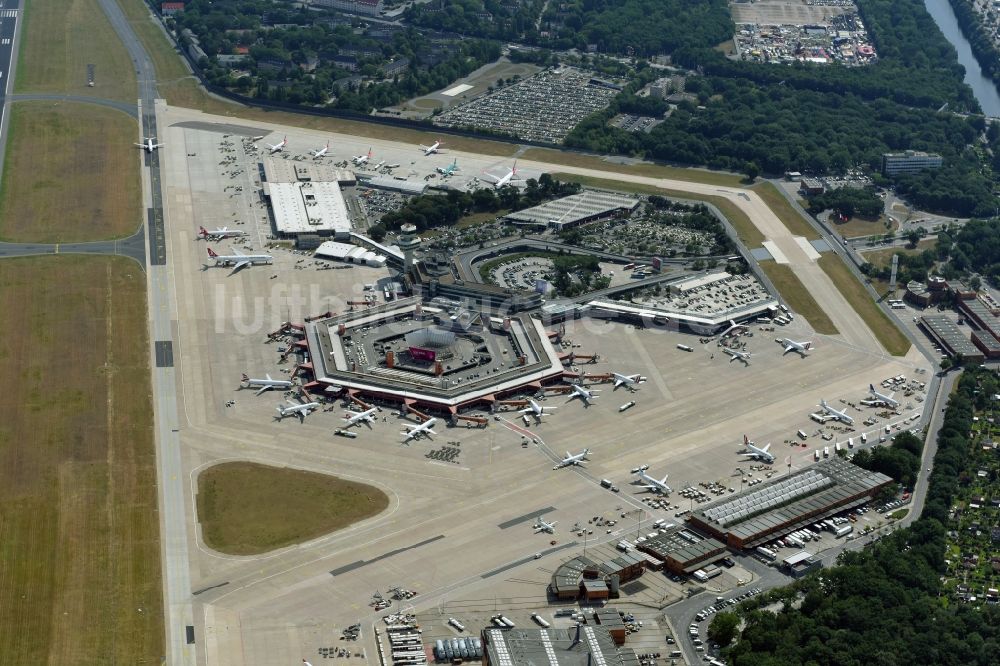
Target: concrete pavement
[133, 246]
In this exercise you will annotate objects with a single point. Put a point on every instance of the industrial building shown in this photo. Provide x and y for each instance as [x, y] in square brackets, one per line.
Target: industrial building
[800, 564]
[576, 209]
[395, 184]
[910, 161]
[351, 254]
[683, 551]
[579, 646]
[788, 503]
[306, 199]
[582, 577]
[952, 339]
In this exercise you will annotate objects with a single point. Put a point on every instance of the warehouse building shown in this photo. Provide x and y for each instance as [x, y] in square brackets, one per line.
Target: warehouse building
[306, 199]
[800, 564]
[576, 209]
[952, 339]
[583, 577]
[682, 551]
[578, 646]
[981, 316]
[789, 503]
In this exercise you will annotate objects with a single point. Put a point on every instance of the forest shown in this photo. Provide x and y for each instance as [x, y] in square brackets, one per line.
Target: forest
[293, 55]
[823, 118]
[848, 201]
[883, 604]
[622, 27]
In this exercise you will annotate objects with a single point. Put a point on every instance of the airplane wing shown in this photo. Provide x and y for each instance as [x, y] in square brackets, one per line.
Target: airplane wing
[262, 389]
[493, 179]
[240, 264]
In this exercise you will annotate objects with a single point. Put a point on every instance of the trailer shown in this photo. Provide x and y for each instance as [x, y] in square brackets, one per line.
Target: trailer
[542, 622]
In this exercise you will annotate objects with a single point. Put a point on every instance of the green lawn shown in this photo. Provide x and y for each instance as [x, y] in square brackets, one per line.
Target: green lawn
[890, 337]
[246, 508]
[798, 297]
[59, 39]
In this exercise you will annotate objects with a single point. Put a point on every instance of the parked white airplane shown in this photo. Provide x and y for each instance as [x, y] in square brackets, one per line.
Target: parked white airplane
[239, 260]
[757, 453]
[586, 395]
[887, 399]
[424, 429]
[836, 413]
[573, 459]
[266, 384]
[321, 151]
[361, 160]
[792, 345]
[658, 486]
[535, 409]
[219, 233]
[500, 181]
[628, 381]
[278, 147]
[296, 409]
[353, 418]
[737, 355]
[450, 169]
[542, 526]
[148, 144]
[433, 148]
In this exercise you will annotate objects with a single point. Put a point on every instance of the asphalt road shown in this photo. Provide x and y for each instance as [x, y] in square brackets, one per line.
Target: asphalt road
[124, 107]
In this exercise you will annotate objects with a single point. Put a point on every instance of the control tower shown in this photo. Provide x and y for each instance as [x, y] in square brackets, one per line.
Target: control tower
[408, 241]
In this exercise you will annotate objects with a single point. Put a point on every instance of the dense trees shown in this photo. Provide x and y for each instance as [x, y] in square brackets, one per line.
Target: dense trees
[848, 201]
[901, 461]
[434, 210]
[882, 605]
[973, 247]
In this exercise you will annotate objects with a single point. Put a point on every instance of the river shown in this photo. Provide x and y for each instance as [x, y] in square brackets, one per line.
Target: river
[983, 87]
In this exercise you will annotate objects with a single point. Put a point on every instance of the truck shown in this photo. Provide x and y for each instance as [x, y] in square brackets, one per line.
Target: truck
[542, 622]
[843, 530]
[766, 553]
[628, 405]
[826, 451]
[685, 348]
[802, 434]
[605, 483]
[350, 434]
[816, 455]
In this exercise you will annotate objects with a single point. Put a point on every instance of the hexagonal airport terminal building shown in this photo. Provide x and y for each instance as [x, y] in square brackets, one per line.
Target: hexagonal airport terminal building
[428, 358]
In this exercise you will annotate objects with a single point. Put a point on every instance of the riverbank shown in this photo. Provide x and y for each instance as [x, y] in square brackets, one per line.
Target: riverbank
[972, 34]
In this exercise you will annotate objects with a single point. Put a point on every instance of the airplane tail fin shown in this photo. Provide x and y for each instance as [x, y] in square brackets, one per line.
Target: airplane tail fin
[746, 441]
[211, 253]
[513, 170]
[202, 231]
[245, 378]
[871, 387]
[808, 345]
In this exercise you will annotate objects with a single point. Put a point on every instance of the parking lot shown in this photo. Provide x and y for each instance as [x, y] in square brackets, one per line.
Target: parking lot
[544, 107]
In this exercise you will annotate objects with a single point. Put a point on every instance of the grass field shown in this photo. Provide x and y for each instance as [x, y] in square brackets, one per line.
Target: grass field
[798, 297]
[790, 217]
[745, 229]
[79, 529]
[166, 60]
[883, 258]
[246, 508]
[59, 39]
[552, 156]
[885, 331]
[859, 226]
[72, 174]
